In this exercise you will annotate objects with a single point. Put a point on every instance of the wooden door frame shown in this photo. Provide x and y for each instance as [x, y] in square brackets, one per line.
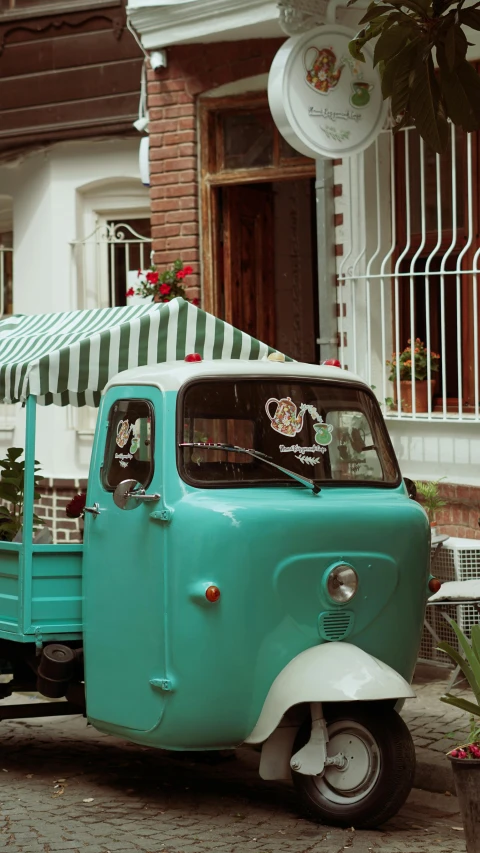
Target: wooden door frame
[213, 176]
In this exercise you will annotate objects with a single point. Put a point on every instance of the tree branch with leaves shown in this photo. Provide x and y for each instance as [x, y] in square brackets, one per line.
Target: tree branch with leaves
[410, 35]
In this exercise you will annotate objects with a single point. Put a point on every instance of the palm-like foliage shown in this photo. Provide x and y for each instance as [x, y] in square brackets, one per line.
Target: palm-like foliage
[469, 664]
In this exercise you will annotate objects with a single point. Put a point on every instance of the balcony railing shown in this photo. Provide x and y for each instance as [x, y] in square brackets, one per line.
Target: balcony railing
[410, 272]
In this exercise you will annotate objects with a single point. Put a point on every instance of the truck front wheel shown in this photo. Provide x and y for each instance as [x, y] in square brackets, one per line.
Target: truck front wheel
[378, 773]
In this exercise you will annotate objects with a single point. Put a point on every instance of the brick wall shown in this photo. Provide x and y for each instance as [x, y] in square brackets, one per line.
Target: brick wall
[461, 515]
[172, 104]
[55, 495]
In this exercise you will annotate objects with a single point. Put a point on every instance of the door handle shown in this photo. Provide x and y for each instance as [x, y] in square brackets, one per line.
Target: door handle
[141, 496]
[95, 509]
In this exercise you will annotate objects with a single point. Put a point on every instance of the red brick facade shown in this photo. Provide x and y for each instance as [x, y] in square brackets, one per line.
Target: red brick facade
[461, 515]
[55, 495]
[172, 104]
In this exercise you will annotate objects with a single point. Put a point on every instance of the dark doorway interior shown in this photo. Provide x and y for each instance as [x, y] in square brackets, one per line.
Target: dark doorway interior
[267, 262]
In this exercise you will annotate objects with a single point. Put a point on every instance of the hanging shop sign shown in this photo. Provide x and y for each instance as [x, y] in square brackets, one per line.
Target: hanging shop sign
[323, 101]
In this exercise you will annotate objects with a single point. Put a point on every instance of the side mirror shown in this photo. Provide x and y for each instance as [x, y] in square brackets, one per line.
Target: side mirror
[122, 495]
[410, 487]
[129, 493]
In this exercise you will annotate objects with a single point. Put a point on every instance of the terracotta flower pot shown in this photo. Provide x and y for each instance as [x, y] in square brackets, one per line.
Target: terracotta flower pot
[466, 772]
[421, 394]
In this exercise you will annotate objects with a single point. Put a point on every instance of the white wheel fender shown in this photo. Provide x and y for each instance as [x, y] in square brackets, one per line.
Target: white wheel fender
[331, 672]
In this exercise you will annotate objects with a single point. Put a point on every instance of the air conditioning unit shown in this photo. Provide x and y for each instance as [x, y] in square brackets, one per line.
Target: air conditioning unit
[456, 560]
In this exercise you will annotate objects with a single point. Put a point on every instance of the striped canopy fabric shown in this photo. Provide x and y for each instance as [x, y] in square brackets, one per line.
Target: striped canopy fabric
[69, 358]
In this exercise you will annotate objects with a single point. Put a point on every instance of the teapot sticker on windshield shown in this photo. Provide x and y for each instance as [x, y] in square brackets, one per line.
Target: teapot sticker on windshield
[284, 419]
[124, 430]
[288, 420]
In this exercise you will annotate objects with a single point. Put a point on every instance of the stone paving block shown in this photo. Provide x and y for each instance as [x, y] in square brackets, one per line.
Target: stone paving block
[442, 745]
[421, 741]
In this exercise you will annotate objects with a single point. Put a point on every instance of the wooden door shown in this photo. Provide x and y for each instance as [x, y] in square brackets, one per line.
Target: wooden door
[248, 260]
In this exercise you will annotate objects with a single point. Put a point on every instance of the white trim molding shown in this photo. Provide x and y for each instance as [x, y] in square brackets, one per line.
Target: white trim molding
[161, 23]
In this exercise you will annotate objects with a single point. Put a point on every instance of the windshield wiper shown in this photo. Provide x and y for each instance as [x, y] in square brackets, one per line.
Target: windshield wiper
[232, 448]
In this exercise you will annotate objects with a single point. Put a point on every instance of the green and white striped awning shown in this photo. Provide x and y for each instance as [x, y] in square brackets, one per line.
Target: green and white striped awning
[69, 358]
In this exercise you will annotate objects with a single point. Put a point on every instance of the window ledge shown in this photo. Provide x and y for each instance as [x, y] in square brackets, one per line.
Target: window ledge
[433, 417]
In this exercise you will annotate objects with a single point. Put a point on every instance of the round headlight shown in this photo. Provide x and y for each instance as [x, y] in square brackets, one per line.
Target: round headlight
[342, 583]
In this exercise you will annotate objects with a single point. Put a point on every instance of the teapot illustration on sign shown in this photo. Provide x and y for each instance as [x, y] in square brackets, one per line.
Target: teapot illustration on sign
[285, 419]
[321, 70]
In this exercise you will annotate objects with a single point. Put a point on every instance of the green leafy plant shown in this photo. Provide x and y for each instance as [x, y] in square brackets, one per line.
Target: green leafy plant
[409, 32]
[469, 664]
[431, 497]
[12, 484]
[413, 361]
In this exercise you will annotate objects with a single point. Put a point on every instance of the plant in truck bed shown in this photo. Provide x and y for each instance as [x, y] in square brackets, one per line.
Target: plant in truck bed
[12, 484]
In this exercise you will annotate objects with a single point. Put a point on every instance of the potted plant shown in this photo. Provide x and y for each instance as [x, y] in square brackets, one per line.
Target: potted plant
[465, 758]
[431, 499]
[12, 483]
[162, 286]
[412, 364]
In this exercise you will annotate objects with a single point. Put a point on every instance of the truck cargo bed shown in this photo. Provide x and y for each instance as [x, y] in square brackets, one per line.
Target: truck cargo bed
[40, 592]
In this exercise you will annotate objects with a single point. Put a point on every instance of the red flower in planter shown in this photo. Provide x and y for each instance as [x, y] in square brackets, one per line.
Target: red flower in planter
[76, 506]
[159, 284]
[131, 291]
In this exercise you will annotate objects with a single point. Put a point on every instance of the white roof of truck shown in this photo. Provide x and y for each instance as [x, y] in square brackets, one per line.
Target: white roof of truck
[171, 375]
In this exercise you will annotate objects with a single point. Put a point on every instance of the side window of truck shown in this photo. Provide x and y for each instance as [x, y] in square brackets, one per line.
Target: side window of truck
[129, 445]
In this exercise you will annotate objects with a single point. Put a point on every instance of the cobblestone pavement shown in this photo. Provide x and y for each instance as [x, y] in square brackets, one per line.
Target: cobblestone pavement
[65, 788]
[435, 725]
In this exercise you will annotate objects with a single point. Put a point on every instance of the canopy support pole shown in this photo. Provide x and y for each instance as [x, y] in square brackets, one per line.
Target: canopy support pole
[28, 502]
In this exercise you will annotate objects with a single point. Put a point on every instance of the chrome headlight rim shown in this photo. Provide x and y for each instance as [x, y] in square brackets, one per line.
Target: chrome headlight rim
[342, 598]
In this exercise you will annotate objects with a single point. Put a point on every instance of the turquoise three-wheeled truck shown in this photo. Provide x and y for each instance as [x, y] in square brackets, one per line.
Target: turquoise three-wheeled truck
[253, 570]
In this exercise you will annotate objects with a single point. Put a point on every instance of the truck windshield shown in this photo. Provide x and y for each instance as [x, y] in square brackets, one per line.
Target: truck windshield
[328, 432]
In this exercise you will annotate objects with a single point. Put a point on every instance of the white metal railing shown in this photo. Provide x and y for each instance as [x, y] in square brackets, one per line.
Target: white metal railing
[106, 263]
[6, 252]
[410, 269]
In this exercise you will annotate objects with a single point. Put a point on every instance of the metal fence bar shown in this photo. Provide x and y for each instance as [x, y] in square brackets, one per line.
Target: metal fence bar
[397, 269]
[465, 249]
[432, 255]
[385, 261]
[372, 260]
[413, 336]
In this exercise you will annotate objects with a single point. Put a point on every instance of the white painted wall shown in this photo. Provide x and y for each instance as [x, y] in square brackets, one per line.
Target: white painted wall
[57, 194]
[428, 451]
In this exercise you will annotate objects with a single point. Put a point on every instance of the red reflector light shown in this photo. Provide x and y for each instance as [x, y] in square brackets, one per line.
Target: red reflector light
[193, 356]
[434, 585]
[332, 362]
[212, 593]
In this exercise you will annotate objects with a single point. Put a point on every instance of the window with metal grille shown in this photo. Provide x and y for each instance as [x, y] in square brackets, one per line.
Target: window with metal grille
[409, 273]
